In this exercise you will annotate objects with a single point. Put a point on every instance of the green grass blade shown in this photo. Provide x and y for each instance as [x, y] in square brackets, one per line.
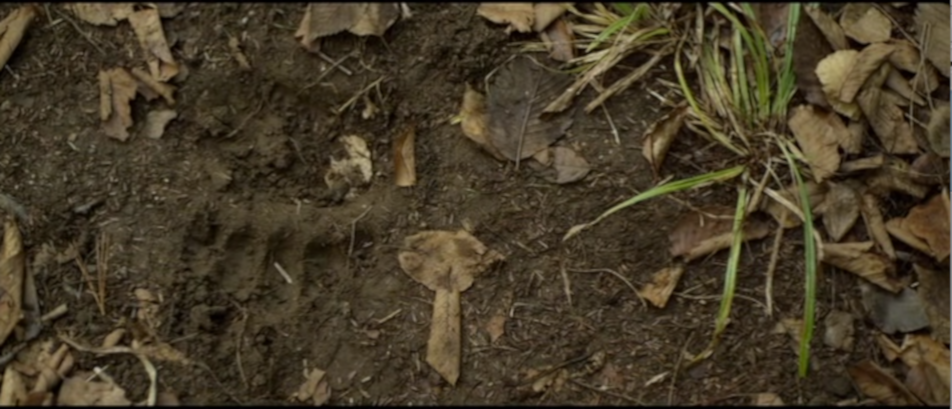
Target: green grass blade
[810, 258]
[624, 8]
[730, 278]
[696, 108]
[661, 190]
[786, 83]
[742, 87]
[612, 29]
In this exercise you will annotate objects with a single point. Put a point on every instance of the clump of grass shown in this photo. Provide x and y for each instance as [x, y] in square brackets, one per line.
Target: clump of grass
[743, 96]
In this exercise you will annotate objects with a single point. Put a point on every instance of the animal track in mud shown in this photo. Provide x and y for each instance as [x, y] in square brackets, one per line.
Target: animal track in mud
[234, 255]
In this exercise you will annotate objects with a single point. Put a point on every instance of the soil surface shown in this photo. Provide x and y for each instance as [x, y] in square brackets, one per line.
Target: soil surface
[236, 184]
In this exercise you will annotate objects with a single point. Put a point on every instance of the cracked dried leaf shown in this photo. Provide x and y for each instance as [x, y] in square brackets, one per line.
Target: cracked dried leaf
[829, 27]
[859, 259]
[662, 285]
[147, 25]
[886, 119]
[873, 218]
[930, 222]
[519, 16]
[864, 23]
[519, 93]
[362, 19]
[867, 62]
[818, 138]
[474, 122]
[101, 14]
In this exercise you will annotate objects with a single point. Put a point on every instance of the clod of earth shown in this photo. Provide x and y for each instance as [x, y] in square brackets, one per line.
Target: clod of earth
[447, 263]
[697, 234]
[517, 127]
[12, 269]
[838, 330]
[900, 312]
[362, 19]
[102, 14]
[147, 25]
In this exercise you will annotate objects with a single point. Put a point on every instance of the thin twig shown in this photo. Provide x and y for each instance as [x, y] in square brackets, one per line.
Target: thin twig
[102, 267]
[82, 33]
[774, 257]
[283, 272]
[244, 121]
[525, 122]
[619, 276]
[89, 284]
[625, 398]
[357, 96]
[566, 284]
[335, 64]
[353, 231]
[611, 123]
[677, 368]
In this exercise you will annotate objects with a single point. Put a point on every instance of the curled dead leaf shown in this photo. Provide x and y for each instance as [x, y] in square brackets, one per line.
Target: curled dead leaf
[354, 170]
[362, 19]
[929, 222]
[866, 63]
[832, 72]
[905, 56]
[659, 136]
[315, 388]
[101, 14]
[404, 157]
[79, 390]
[116, 90]
[887, 121]
[895, 176]
[519, 16]
[156, 121]
[877, 384]
[838, 330]
[873, 218]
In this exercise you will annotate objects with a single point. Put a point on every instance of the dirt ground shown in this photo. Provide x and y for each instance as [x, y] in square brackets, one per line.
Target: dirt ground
[236, 184]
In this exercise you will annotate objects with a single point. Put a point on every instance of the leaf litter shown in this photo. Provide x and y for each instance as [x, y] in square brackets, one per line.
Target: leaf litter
[361, 19]
[697, 234]
[447, 263]
[662, 285]
[102, 14]
[12, 29]
[147, 25]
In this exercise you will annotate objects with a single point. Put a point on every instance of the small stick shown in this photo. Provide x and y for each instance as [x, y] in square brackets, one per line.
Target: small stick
[55, 314]
[353, 231]
[335, 64]
[774, 257]
[287, 277]
[89, 284]
[677, 368]
[357, 96]
[566, 284]
[619, 276]
[102, 266]
[612, 124]
[609, 393]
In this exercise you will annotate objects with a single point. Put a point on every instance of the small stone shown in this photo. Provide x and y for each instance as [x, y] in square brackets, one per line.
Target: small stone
[840, 387]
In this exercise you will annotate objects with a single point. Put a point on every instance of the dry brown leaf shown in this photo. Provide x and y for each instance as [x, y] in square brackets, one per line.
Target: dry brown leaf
[930, 222]
[840, 209]
[101, 14]
[875, 383]
[829, 27]
[404, 157]
[780, 213]
[14, 391]
[559, 40]
[517, 96]
[895, 176]
[921, 348]
[662, 285]
[699, 234]
[545, 14]
[935, 17]
[925, 81]
[923, 382]
[474, 121]
[12, 269]
[871, 162]
[886, 119]
[889, 348]
[496, 326]
[447, 263]
[867, 62]
[873, 218]
[930, 169]
[156, 121]
[865, 23]
[564, 165]
[147, 25]
[77, 391]
[659, 136]
[151, 88]
[810, 47]
[315, 388]
[767, 399]
[858, 259]
[832, 71]
[938, 130]
[934, 290]
[375, 18]
[354, 170]
[900, 85]
[897, 228]
[818, 139]
[838, 330]
[519, 16]
[905, 55]
[12, 29]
